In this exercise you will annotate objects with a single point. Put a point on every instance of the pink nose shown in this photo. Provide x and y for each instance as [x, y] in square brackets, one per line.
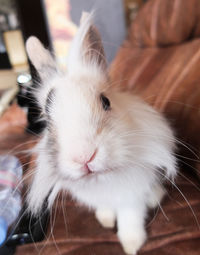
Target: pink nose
[85, 160]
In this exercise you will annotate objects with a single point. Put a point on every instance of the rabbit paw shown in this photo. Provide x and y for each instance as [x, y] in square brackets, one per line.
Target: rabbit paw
[105, 217]
[131, 243]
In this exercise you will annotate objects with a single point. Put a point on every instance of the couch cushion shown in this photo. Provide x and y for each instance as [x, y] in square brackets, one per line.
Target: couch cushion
[166, 77]
[163, 23]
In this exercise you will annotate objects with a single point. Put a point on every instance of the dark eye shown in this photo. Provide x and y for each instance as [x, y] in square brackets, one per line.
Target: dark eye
[105, 102]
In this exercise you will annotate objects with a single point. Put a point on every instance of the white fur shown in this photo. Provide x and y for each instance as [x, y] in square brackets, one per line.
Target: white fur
[106, 217]
[132, 141]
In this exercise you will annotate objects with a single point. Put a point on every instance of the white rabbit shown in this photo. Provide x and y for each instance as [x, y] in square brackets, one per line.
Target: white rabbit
[108, 148]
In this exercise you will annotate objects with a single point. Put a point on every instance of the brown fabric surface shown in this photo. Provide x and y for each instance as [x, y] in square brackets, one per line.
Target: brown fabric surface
[166, 77]
[172, 230]
[13, 139]
[166, 22]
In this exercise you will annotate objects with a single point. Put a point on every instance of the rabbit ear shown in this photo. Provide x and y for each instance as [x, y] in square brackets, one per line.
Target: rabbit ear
[87, 48]
[40, 57]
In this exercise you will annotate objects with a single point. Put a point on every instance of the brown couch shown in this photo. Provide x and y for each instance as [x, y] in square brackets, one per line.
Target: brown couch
[159, 61]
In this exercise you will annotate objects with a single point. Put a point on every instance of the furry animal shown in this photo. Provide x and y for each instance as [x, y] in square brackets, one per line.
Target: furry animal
[108, 148]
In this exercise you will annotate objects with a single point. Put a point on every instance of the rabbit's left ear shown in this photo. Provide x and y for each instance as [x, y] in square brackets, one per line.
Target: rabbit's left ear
[40, 57]
[87, 47]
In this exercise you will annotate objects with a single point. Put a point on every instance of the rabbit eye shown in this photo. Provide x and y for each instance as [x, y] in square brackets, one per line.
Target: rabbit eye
[105, 102]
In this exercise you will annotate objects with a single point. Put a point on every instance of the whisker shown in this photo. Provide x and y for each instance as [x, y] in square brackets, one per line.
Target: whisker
[186, 200]
[64, 214]
[56, 208]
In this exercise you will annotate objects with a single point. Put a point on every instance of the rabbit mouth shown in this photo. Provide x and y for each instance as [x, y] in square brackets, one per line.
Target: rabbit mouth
[92, 173]
[88, 170]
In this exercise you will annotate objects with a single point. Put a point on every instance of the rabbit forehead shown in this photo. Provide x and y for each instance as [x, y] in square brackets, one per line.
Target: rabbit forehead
[76, 104]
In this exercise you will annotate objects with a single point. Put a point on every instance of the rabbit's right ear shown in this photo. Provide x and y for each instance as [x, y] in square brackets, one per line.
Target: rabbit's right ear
[40, 57]
[86, 48]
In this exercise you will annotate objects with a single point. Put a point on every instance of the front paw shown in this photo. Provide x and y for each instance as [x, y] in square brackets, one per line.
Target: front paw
[105, 217]
[131, 243]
